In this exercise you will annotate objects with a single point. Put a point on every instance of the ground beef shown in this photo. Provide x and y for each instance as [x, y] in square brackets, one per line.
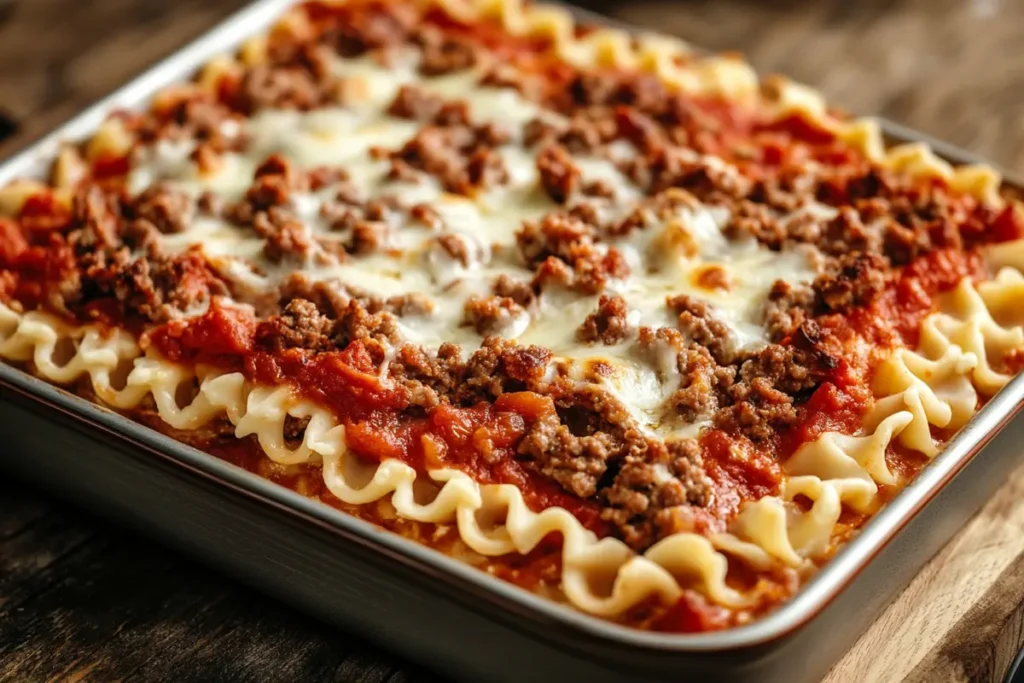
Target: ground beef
[751, 219]
[367, 237]
[485, 168]
[589, 212]
[553, 272]
[373, 27]
[599, 188]
[786, 308]
[640, 129]
[847, 233]
[319, 177]
[576, 463]
[647, 491]
[426, 215]
[661, 207]
[588, 89]
[456, 247]
[499, 366]
[609, 324]
[758, 410]
[790, 188]
[851, 281]
[461, 157]
[589, 432]
[300, 326]
[667, 166]
[151, 288]
[702, 383]
[427, 379]
[696, 321]
[443, 53]
[412, 102]
[898, 229]
[559, 176]
[294, 430]
[491, 315]
[769, 382]
[305, 323]
[275, 87]
[409, 304]
[366, 226]
[285, 237]
[272, 185]
[588, 132]
[143, 236]
[210, 203]
[563, 251]
[329, 296]
[557, 234]
[594, 270]
[193, 115]
[499, 74]
[356, 322]
[95, 221]
[520, 292]
[788, 369]
[537, 131]
[168, 210]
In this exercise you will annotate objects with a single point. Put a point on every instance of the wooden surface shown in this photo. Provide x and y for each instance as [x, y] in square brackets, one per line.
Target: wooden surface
[82, 601]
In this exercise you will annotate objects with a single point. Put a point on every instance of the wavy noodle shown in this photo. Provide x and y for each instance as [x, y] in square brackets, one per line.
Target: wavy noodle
[933, 386]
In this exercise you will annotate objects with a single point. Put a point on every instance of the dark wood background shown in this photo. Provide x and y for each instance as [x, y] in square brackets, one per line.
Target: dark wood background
[81, 600]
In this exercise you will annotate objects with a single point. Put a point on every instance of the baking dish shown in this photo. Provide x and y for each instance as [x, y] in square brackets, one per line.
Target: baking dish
[756, 645]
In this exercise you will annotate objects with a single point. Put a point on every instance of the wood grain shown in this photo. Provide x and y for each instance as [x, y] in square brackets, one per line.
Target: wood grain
[80, 601]
[960, 619]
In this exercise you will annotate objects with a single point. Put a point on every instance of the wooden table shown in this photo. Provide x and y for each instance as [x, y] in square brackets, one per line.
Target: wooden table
[81, 601]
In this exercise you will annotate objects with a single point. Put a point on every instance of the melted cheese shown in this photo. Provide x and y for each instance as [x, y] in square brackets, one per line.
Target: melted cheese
[664, 258]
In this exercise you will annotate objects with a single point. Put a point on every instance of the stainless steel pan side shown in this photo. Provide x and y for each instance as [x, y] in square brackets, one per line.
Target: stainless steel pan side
[428, 606]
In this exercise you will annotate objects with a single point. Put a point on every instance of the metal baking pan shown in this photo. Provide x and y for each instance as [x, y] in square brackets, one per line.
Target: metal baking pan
[433, 609]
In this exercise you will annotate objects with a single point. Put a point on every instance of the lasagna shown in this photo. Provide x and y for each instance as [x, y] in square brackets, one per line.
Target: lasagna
[625, 326]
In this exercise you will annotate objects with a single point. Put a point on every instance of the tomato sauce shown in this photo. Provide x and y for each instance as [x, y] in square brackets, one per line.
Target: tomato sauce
[740, 471]
[895, 318]
[42, 213]
[831, 408]
[479, 440]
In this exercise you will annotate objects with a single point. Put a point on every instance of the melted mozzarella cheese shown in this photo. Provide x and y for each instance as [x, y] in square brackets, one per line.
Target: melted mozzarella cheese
[663, 258]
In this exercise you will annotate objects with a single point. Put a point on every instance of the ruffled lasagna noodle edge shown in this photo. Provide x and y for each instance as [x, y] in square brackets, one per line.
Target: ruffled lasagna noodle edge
[937, 384]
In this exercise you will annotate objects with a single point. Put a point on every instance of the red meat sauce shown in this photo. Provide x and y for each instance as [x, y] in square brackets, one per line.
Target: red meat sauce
[479, 440]
[742, 471]
[42, 213]
[488, 33]
[746, 135]
[895, 318]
